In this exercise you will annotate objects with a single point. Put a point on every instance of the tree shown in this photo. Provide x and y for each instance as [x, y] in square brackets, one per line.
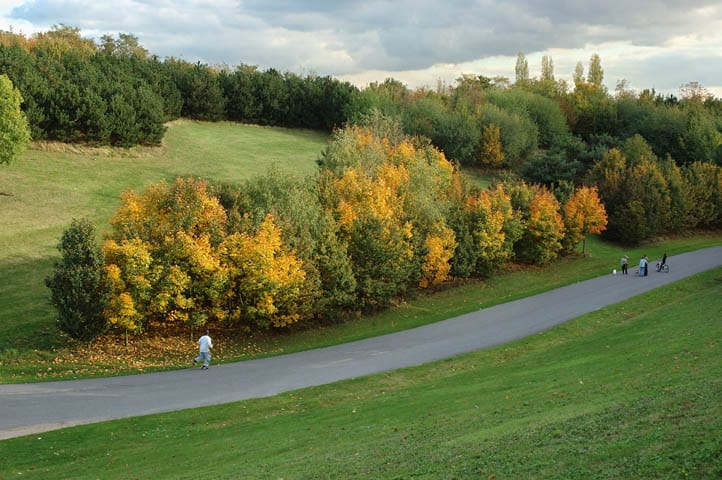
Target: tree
[547, 68]
[266, 278]
[494, 228]
[521, 69]
[595, 76]
[14, 130]
[161, 256]
[440, 247]
[704, 192]
[584, 214]
[79, 288]
[578, 75]
[492, 154]
[543, 230]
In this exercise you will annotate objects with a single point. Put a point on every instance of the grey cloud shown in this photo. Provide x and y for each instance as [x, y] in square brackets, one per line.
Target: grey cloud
[375, 34]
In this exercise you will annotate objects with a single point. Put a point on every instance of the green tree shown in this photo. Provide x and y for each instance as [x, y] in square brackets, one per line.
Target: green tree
[521, 69]
[14, 130]
[79, 289]
[578, 75]
[547, 68]
[704, 193]
[595, 76]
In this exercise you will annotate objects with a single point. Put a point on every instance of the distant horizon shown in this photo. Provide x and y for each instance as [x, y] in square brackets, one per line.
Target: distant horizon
[419, 43]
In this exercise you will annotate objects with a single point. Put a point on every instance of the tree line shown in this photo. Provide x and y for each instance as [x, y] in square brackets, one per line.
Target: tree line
[384, 215]
[115, 92]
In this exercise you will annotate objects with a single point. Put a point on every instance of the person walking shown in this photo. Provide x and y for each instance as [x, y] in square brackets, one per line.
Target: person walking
[625, 262]
[204, 346]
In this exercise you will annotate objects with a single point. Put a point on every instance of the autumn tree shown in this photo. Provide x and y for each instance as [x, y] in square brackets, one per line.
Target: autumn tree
[543, 227]
[266, 280]
[390, 199]
[161, 256]
[494, 228]
[492, 154]
[584, 214]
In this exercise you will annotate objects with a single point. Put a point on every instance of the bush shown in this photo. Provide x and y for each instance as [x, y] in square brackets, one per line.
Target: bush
[79, 289]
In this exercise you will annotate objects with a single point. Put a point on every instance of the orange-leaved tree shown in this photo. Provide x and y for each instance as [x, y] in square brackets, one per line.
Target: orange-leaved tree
[584, 214]
[543, 227]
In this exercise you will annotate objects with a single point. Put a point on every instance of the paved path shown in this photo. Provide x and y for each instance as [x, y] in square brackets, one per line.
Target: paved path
[34, 408]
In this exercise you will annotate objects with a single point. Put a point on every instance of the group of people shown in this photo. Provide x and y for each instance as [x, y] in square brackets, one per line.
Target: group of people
[643, 265]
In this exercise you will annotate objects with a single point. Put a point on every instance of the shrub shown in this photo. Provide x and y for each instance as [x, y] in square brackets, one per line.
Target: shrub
[79, 288]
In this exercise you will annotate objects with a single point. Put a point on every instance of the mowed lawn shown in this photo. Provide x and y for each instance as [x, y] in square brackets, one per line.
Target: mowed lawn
[50, 185]
[629, 391]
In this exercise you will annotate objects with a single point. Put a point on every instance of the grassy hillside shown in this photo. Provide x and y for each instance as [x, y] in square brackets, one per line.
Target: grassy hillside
[629, 391]
[49, 185]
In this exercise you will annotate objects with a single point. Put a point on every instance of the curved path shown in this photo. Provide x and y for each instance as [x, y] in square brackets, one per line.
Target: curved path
[34, 408]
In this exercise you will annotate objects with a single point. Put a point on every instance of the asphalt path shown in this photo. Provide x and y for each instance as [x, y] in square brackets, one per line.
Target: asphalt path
[34, 408]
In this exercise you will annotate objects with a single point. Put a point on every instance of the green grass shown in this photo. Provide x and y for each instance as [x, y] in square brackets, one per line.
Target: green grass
[47, 187]
[629, 391]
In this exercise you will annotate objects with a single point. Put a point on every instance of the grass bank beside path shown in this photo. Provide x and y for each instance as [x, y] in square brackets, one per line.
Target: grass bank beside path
[50, 184]
[110, 357]
[628, 391]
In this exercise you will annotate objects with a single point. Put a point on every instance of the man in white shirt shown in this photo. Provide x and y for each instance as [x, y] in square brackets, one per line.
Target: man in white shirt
[205, 344]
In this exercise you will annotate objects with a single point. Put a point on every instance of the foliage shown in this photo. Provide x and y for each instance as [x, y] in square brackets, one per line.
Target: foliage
[161, 256]
[436, 264]
[543, 228]
[14, 132]
[519, 134]
[551, 167]
[79, 289]
[584, 214]
[265, 279]
[492, 154]
[494, 227]
[703, 183]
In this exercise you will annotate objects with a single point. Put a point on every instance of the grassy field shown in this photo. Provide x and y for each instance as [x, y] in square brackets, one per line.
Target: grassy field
[629, 391]
[51, 184]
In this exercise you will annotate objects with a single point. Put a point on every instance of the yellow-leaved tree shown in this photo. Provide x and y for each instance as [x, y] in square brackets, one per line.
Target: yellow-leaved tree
[265, 279]
[494, 229]
[161, 256]
[440, 247]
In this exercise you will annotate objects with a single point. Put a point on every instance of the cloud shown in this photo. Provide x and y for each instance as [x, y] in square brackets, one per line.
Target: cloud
[419, 39]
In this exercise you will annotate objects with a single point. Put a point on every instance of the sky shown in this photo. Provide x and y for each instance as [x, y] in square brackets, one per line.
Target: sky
[648, 43]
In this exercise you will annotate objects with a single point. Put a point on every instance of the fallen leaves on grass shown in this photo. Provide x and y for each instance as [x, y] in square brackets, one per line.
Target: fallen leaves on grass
[110, 355]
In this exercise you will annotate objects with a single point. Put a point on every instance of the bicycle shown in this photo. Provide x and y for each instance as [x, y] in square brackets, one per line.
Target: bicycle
[662, 268]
